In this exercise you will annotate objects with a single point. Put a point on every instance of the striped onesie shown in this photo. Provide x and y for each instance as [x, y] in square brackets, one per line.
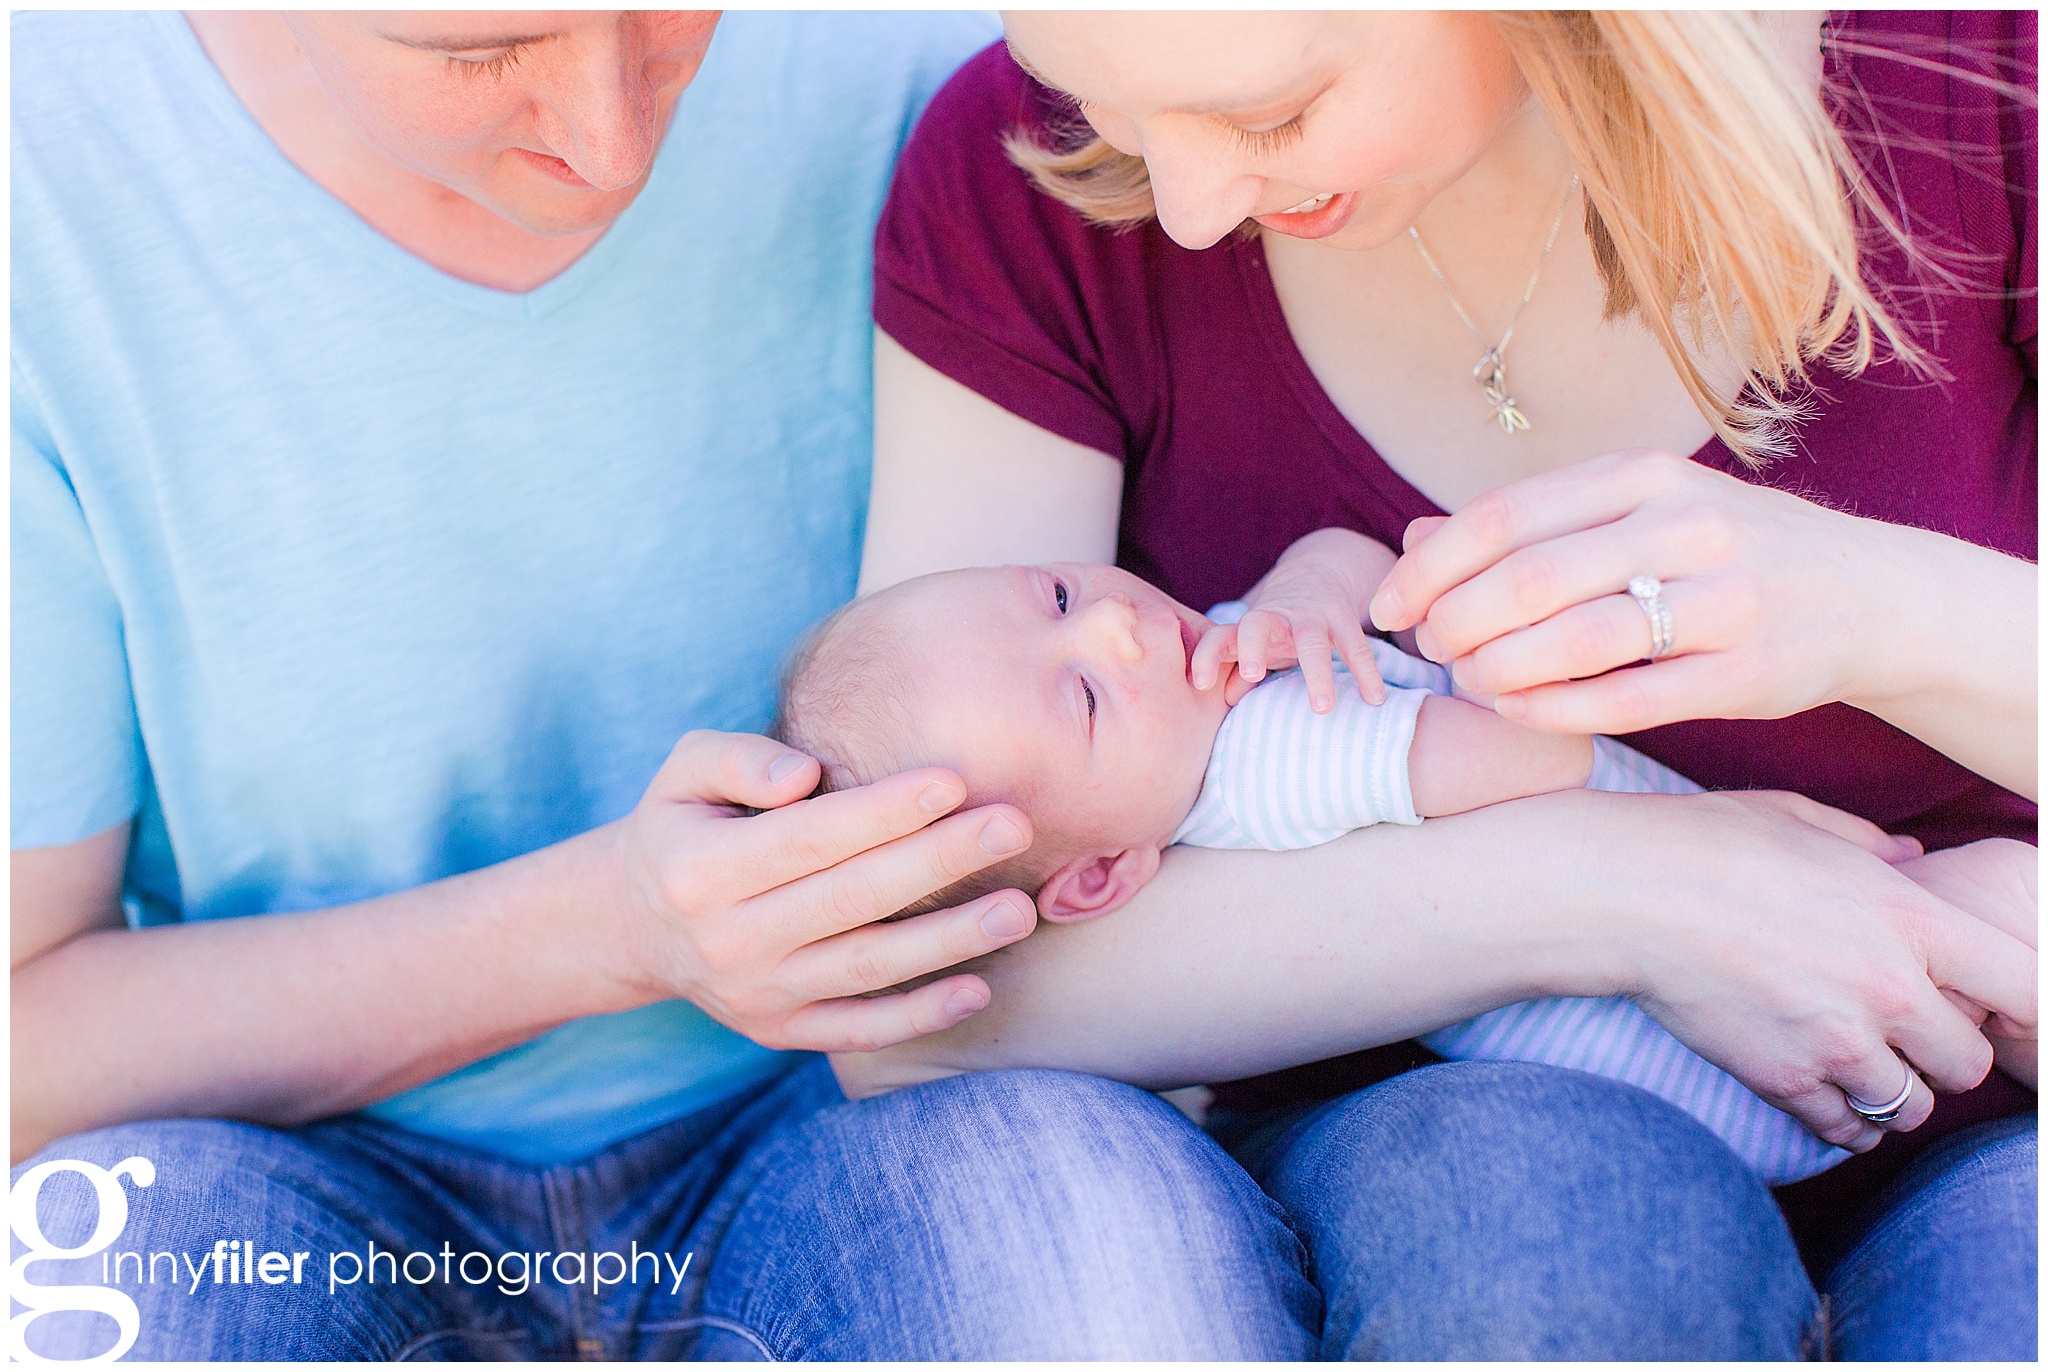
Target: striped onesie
[1281, 776]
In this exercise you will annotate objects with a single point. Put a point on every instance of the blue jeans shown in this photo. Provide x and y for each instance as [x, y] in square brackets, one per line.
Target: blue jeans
[1471, 1210]
[1017, 1214]
[1501, 1211]
[1945, 1264]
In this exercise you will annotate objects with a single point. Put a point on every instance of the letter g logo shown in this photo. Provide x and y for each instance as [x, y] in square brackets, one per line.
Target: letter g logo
[48, 1300]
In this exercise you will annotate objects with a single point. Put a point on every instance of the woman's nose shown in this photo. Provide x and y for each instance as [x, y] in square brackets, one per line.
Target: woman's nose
[1197, 192]
[601, 115]
[1111, 628]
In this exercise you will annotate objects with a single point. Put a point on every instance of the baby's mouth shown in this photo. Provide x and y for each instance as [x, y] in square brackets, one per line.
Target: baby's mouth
[1188, 639]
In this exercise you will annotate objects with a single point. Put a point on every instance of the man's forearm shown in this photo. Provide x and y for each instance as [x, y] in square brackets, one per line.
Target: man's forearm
[1233, 963]
[285, 1018]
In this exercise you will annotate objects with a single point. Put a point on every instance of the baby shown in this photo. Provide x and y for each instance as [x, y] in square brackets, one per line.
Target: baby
[1114, 717]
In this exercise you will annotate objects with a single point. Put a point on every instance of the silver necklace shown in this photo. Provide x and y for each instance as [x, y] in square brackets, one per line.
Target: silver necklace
[1491, 371]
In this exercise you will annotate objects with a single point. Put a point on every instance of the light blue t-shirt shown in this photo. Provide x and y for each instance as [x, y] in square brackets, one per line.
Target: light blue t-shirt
[341, 575]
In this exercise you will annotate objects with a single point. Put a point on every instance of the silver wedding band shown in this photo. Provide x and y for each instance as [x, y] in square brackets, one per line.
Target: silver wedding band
[1649, 594]
[1889, 1111]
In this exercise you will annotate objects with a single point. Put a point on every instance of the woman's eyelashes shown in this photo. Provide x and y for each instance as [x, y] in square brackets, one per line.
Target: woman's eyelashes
[1089, 692]
[1260, 142]
[1255, 141]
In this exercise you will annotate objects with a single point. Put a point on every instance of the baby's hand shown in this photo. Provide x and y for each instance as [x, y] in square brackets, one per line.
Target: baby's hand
[1276, 638]
[1994, 879]
[1298, 614]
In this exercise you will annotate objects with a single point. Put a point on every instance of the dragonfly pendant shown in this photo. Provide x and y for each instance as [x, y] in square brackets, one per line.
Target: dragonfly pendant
[1491, 372]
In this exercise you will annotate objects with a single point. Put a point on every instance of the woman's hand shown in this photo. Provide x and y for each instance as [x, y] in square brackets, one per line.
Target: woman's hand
[1777, 605]
[1787, 948]
[769, 921]
[1312, 602]
[1523, 594]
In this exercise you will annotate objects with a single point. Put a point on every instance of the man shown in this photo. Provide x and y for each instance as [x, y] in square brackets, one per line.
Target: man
[420, 422]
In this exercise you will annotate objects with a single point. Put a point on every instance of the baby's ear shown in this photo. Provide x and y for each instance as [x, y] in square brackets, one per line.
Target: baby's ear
[1091, 886]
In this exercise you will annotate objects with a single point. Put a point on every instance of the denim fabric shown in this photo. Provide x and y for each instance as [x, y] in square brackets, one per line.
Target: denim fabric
[1496, 1211]
[1468, 1210]
[1947, 1263]
[1015, 1214]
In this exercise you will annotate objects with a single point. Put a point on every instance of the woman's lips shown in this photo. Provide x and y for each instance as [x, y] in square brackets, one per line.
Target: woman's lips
[1318, 222]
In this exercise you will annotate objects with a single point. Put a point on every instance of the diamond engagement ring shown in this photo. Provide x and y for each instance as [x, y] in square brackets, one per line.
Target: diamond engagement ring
[1649, 593]
[1889, 1111]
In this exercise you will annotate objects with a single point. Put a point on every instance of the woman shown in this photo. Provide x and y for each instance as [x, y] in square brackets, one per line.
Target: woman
[1636, 224]
[420, 422]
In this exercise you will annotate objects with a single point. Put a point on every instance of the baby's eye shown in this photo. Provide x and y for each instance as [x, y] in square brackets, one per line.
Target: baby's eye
[1086, 690]
[1059, 595]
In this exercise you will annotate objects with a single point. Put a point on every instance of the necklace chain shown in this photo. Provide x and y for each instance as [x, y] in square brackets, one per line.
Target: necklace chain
[1491, 371]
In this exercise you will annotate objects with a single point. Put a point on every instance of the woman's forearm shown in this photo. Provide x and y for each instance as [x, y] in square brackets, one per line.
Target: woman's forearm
[1769, 934]
[1953, 660]
[285, 1018]
[1233, 963]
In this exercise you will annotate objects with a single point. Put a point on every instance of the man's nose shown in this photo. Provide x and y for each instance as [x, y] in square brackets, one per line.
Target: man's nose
[601, 116]
[1111, 628]
[1197, 192]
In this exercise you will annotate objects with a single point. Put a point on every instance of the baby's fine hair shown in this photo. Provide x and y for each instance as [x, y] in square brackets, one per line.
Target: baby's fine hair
[844, 699]
[840, 698]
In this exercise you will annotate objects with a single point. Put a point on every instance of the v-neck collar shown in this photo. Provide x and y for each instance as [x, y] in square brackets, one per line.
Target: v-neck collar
[1285, 355]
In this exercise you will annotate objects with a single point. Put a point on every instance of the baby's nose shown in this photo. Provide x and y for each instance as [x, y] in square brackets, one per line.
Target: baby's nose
[1114, 624]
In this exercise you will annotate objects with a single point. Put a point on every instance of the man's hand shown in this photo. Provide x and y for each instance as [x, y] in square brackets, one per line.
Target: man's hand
[770, 922]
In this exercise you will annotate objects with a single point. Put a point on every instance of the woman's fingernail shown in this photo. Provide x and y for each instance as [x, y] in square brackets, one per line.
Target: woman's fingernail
[964, 1002]
[938, 798]
[1000, 837]
[1510, 707]
[785, 767]
[1322, 705]
[1005, 921]
[1385, 608]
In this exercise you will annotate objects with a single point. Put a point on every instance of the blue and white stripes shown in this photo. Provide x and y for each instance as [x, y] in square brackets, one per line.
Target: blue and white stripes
[1282, 776]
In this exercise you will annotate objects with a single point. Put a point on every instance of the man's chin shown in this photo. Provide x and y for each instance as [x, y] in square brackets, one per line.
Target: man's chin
[555, 213]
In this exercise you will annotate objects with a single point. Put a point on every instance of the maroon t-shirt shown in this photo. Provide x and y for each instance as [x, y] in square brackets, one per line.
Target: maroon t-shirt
[1180, 363]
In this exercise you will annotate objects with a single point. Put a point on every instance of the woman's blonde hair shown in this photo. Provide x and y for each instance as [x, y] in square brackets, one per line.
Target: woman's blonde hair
[1721, 200]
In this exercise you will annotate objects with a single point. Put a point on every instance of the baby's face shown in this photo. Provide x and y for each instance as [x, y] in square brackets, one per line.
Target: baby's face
[1063, 689]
